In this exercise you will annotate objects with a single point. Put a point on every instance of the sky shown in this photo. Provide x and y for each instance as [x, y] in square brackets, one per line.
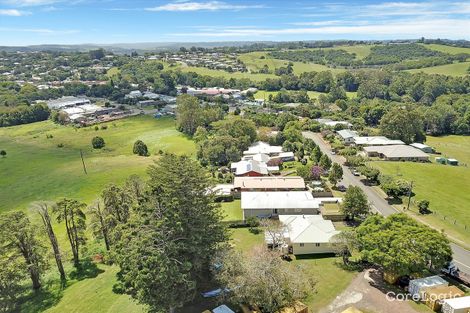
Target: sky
[29, 22]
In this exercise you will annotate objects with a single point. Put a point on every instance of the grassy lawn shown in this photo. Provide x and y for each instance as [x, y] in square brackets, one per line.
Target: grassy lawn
[447, 49]
[455, 69]
[38, 170]
[254, 62]
[445, 186]
[88, 295]
[232, 210]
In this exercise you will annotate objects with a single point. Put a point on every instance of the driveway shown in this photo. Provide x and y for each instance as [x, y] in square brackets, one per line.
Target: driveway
[369, 293]
[378, 203]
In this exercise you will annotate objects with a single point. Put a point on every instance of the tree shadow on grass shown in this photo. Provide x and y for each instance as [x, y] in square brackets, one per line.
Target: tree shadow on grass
[394, 201]
[87, 269]
[41, 300]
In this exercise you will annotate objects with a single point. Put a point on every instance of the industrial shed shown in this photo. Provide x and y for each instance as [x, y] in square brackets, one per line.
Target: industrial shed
[397, 153]
[434, 296]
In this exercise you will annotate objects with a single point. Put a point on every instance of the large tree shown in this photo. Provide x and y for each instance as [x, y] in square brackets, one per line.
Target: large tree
[355, 203]
[402, 245]
[403, 123]
[336, 173]
[189, 114]
[165, 247]
[72, 213]
[262, 279]
[20, 246]
[43, 209]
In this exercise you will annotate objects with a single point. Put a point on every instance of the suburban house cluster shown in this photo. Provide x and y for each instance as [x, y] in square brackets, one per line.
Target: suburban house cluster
[264, 194]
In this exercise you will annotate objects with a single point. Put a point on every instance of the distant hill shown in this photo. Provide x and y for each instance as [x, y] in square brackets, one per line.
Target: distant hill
[162, 46]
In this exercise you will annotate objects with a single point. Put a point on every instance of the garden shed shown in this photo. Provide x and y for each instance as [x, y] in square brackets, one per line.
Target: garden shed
[418, 286]
[222, 309]
[453, 162]
[456, 305]
[435, 295]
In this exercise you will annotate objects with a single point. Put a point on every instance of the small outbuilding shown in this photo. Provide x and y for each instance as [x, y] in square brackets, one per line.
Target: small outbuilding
[417, 287]
[456, 305]
[453, 162]
[434, 296]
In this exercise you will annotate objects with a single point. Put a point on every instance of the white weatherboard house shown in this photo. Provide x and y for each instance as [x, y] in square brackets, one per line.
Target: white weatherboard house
[456, 305]
[269, 203]
[308, 234]
[347, 136]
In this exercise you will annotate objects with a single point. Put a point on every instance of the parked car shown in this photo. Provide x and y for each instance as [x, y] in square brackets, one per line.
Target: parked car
[356, 173]
[341, 188]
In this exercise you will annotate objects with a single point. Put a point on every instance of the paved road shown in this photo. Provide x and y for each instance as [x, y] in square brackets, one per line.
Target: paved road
[378, 203]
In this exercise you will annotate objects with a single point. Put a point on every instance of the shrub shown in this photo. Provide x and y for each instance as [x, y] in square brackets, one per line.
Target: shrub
[423, 207]
[96, 128]
[104, 127]
[60, 145]
[140, 148]
[97, 142]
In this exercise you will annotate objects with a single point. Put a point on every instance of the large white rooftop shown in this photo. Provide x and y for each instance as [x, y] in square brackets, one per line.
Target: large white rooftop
[459, 303]
[397, 151]
[264, 148]
[279, 200]
[308, 228]
[376, 141]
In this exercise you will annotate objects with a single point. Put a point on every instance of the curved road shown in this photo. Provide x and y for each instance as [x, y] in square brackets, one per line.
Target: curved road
[378, 203]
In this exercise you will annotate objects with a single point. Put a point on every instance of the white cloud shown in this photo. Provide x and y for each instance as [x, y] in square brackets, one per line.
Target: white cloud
[29, 2]
[201, 6]
[444, 28]
[13, 12]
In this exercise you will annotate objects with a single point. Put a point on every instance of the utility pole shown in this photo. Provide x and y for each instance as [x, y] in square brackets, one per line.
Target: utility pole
[409, 195]
[83, 162]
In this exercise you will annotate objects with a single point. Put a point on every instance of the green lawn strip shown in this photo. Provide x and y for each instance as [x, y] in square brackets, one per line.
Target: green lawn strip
[232, 211]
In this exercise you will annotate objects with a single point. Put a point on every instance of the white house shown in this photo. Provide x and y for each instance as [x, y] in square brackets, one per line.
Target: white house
[397, 153]
[264, 148]
[307, 234]
[273, 203]
[347, 136]
[252, 168]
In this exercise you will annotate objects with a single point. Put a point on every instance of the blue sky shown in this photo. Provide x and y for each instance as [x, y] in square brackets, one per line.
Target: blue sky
[25, 22]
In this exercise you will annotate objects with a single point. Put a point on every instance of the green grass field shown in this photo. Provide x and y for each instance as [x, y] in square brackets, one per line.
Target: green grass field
[254, 62]
[455, 69]
[39, 170]
[96, 295]
[445, 186]
[447, 49]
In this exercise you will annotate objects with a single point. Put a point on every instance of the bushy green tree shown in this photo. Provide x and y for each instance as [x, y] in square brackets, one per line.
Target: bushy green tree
[401, 245]
[336, 173]
[355, 203]
[97, 142]
[140, 148]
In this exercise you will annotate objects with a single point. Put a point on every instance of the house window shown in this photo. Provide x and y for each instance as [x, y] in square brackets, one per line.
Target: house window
[301, 244]
[317, 244]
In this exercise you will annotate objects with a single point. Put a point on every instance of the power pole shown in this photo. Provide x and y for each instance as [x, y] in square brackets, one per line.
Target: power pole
[409, 195]
[83, 162]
